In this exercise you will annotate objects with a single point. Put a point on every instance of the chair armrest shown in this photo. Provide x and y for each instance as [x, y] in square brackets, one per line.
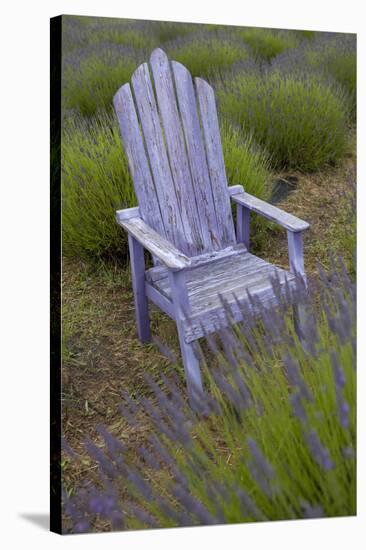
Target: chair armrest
[160, 247]
[290, 222]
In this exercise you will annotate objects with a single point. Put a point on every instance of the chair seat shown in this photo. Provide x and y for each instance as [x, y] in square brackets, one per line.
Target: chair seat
[230, 278]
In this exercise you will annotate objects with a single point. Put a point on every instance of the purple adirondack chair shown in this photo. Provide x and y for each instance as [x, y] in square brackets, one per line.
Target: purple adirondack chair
[171, 136]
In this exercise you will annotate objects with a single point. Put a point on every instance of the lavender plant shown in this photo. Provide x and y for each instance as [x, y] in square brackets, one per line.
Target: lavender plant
[267, 43]
[91, 76]
[205, 53]
[95, 183]
[333, 55]
[272, 438]
[298, 116]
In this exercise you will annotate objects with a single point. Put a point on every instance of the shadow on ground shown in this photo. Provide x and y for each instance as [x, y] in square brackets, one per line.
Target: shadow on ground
[40, 520]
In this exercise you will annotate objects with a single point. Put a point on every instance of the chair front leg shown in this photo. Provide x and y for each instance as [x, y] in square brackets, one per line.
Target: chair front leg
[139, 291]
[243, 225]
[181, 304]
[296, 260]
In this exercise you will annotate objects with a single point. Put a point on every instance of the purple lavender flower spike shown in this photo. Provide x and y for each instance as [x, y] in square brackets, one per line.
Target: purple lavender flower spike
[298, 407]
[319, 453]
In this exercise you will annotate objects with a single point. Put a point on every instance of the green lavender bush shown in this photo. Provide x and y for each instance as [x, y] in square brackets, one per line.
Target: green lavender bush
[300, 118]
[267, 43]
[246, 163]
[95, 183]
[272, 438]
[92, 76]
[204, 53]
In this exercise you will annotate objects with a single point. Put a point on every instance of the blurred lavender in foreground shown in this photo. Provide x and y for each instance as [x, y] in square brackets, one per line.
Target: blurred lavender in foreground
[272, 438]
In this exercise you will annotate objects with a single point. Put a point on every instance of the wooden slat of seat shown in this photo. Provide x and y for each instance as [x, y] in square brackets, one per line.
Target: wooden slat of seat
[235, 273]
[214, 319]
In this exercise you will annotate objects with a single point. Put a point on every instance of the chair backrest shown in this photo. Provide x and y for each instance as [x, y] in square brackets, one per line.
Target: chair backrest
[171, 136]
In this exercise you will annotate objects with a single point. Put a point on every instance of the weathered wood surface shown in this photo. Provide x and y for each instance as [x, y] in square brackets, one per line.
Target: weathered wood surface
[234, 275]
[243, 225]
[137, 159]
[296, 253]
[156, 273]
[128, 213]
[174, 139]
[200, 324]
[196, 156]
[171, 134]
[159, 163]
[182, 308]
[215, 160]
[269, 211]
[139, 289]
[155, 243]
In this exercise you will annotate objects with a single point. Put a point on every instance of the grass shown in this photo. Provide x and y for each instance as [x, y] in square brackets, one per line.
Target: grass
[299, 118]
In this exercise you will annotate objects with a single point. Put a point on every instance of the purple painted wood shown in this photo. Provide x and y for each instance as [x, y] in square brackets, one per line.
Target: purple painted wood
[159, 163]
[160, 300]
[182, 309]
[138, 283]
[137, 160]
[243, 225]
[155, 243]
[269, 211]
[215, 161]
[296, 253]
[176, 148]
[196, 156]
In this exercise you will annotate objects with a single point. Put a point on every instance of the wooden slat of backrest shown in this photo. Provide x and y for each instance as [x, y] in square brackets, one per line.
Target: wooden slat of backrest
[137, 159]
[215, 161]
[196, 155]
[175, 144]
[156, 150]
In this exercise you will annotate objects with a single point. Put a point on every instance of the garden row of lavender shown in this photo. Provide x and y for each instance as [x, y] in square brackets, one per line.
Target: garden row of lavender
[274, 437]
